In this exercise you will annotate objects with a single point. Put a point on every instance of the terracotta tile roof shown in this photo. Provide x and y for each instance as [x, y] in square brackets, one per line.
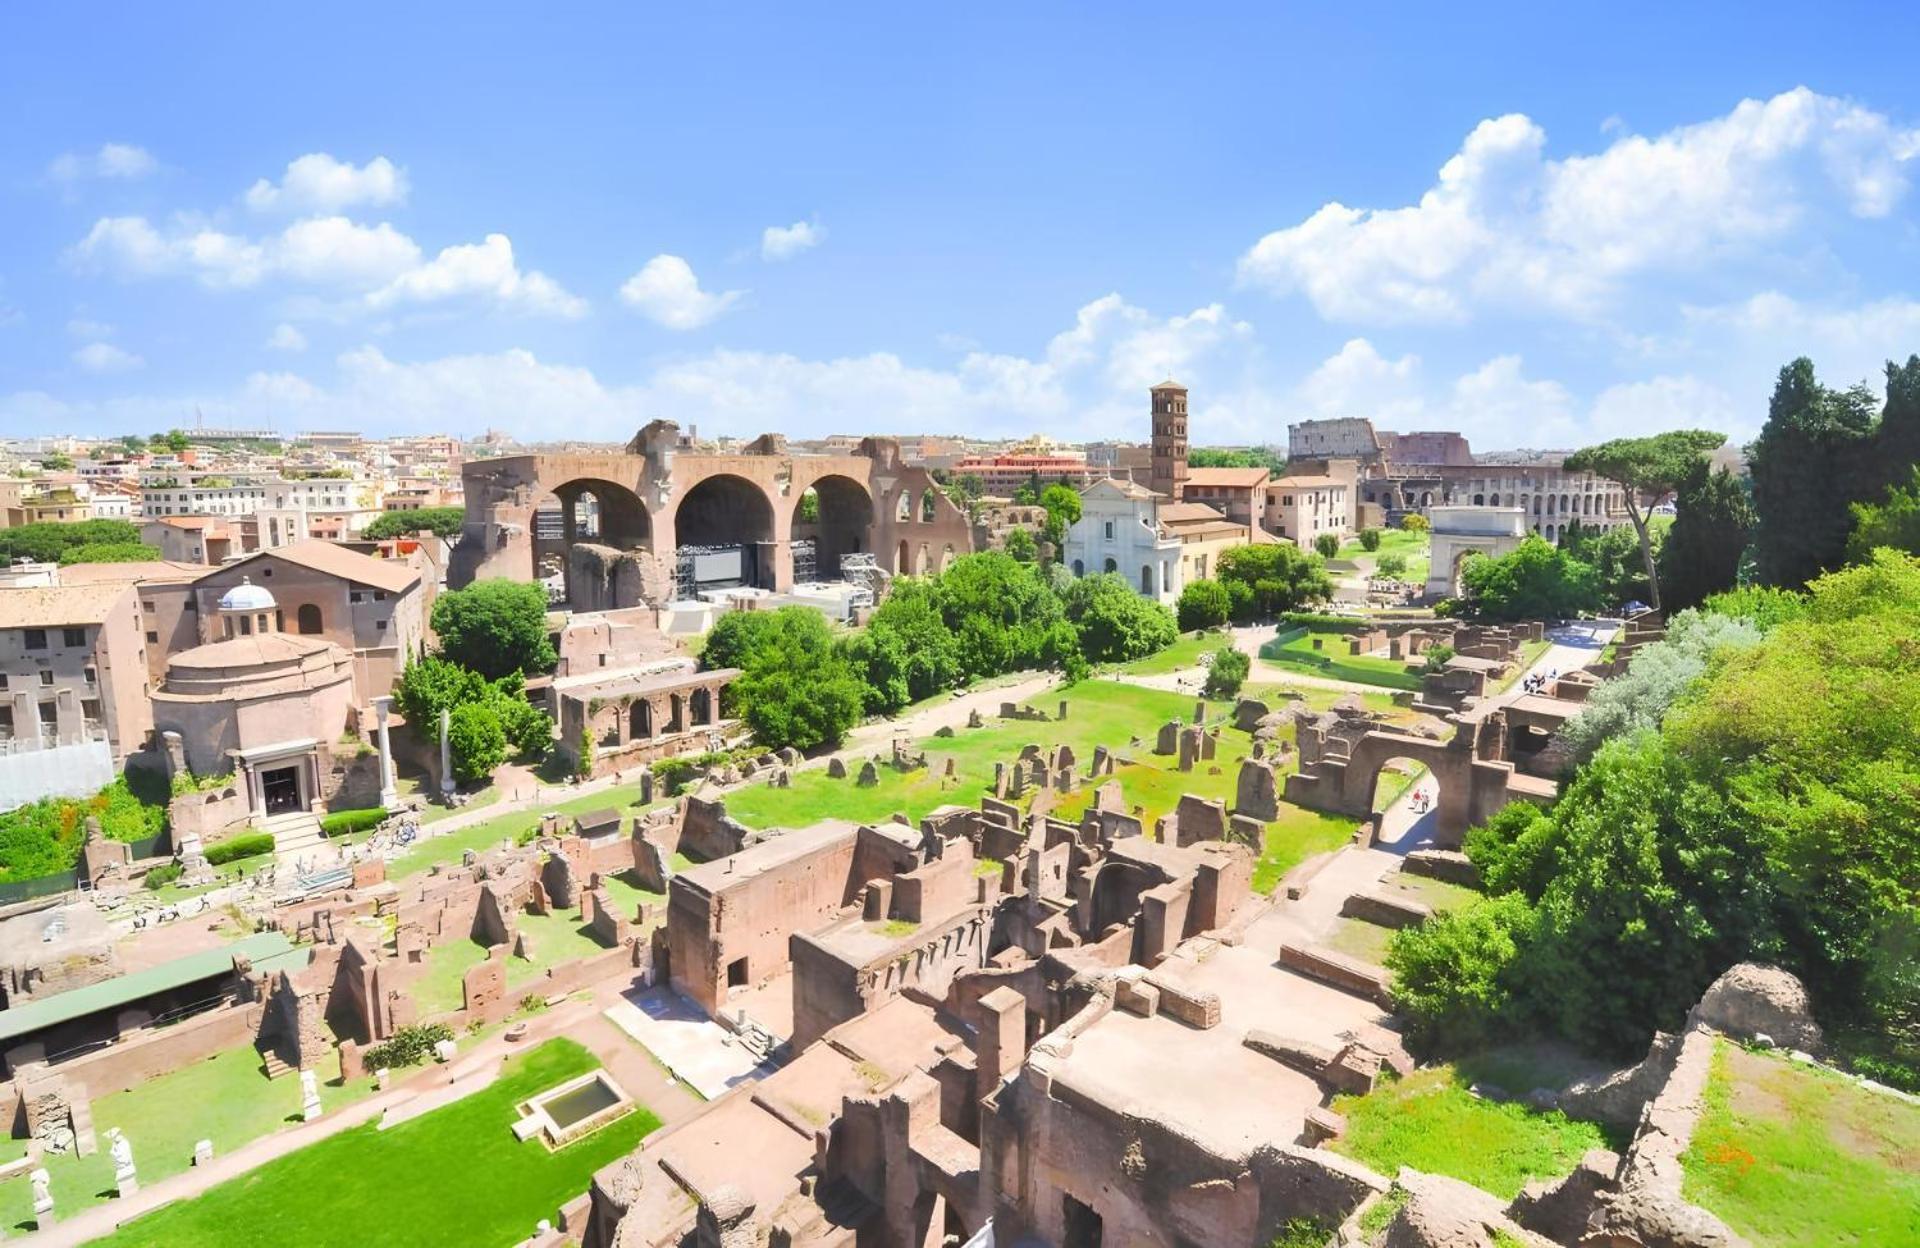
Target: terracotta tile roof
[150, 570]
[1188, 513]
[1305, 483]
[60, 605]
[1229, 478]
[333, 559]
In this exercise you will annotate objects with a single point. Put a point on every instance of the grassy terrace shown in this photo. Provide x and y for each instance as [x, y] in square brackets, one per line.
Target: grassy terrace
[1182, 654]
[1431, 1122]
[488, 833]
[556, 938]
[227, 1099]
[1099, 712]
[1332, 661]
[456, 1167]
[1413, 547]
[1786, 1155]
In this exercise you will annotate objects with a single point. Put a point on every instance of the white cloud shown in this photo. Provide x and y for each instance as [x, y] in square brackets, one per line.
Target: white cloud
[1504, 226]
[119, 161]
[317, 182]
[1637, 408]
[666, 291]
[104, 357]
[377, 261]
[487, 270]
[286, 338]
[323, 250]
[783, 242]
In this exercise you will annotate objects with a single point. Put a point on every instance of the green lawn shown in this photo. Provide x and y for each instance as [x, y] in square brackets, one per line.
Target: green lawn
[456, 1172]
[1182, 654]
[483, 836]
[1297, 835]
[1431, 1122]
[1413, 547]
[1785, 1155]
[1360, 939]
[1099, 712]
[556, 938]
[227, 1099]
[1334, 663]
[1438, 894]
[626, 896]
[1276, 696]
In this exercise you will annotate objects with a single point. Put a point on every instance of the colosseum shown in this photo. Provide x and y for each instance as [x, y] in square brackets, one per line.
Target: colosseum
[658, 523]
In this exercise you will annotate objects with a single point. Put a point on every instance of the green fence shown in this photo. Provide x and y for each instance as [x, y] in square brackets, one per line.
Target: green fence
[40, 886]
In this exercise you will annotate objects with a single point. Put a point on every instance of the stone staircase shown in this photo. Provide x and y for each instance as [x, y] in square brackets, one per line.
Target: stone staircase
[276, 1066]
[753, 1037]
[296, 835]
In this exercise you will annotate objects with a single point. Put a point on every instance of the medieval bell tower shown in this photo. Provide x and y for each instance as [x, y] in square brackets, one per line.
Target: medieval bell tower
[1170, 439]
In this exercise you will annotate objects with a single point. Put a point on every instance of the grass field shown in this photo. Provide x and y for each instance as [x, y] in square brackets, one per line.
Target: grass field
[1431, 1122]
[1785, 1154]
[1358, 938]
[1317, 699]
[423, 855]
[556, 938]
[1334, 663]
[1098, 712]
[1183, 653]
[227, 1099]
[1413, 547]
[455, 1172]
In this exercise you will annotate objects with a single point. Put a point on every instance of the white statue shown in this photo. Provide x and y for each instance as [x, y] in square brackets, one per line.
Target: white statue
[309, 1095]
[42, 1190]
[122, 1151]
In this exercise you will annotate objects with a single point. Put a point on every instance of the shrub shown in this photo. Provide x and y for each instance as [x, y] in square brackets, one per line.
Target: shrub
[1393, 565]
[584, 767]
[1312, 620]
[1454, 974]
[495, 627]
[163, 875]
[1113, 623]
[347, 822]
[1415, 523]
[477, 742]
[1203, 604]
[1437, 657]
[409, 1046]
[1226, 673]
[1370, 540]
[1327, 544]
[246, 845]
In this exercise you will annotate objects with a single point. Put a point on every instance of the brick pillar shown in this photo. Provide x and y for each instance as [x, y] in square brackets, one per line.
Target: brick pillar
[1002, 1042]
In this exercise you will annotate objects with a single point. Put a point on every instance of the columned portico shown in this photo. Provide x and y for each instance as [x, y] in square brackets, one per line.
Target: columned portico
[644, 715]
[282, 778]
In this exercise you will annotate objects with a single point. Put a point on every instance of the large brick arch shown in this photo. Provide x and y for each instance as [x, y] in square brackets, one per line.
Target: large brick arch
[654, 476]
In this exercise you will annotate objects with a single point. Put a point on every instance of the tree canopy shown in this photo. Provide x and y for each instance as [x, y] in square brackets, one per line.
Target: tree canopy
[1769, 816]
[1533, 581]
[1646, 469]
[1115, 623]
[796, 687]
[1063, 511]
[1203, 604]
[1804, 466]
[496, 627]
[1273, 577]
[45, 541]
[1893, 522]
[442, 522]
[108, 552]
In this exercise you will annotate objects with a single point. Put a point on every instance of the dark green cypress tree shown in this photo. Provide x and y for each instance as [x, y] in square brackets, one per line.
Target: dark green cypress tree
[1701, 555]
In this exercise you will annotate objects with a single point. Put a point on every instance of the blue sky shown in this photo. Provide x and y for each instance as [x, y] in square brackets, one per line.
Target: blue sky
[1538, 227]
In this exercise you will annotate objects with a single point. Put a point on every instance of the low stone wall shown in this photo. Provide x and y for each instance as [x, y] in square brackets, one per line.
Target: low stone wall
[1648, 1208]
[1446, 865]
[1339, 970]
[1386, 910]
[146, 1055]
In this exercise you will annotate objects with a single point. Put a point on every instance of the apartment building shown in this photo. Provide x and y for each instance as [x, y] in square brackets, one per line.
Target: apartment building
[1299, 509]
[73, 688]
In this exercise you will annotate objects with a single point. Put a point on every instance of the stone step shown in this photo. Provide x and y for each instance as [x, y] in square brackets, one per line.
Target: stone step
[274, 1065]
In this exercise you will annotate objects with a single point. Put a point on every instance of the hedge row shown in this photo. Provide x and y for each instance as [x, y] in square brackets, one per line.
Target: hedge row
[347, 822]
[1311, 619]
[245, 846]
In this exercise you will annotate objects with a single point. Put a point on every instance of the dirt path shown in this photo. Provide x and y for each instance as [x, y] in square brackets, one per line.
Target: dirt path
[868, 738]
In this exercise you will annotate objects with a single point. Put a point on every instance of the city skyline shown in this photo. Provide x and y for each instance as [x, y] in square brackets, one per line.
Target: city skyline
[1433, 223]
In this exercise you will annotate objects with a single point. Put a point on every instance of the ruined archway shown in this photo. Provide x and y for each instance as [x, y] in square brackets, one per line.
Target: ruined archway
[1116, 895]
[603, 513]
[1406, 802]
[832, 518]
[725, 534]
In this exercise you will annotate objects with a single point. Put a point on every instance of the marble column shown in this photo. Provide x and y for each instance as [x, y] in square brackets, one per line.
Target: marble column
[446, 754]
[389, 795]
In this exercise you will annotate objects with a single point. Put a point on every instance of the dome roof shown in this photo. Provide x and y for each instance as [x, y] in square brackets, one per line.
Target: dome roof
[246, 596]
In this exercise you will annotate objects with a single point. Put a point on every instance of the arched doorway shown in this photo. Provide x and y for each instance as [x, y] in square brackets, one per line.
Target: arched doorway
[700, 708]
[640, 720]
[307, 618]
[604, 513]
[724, 532]
[1406, 804]
[832, 518]
[903, 561]
[1146, 579]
